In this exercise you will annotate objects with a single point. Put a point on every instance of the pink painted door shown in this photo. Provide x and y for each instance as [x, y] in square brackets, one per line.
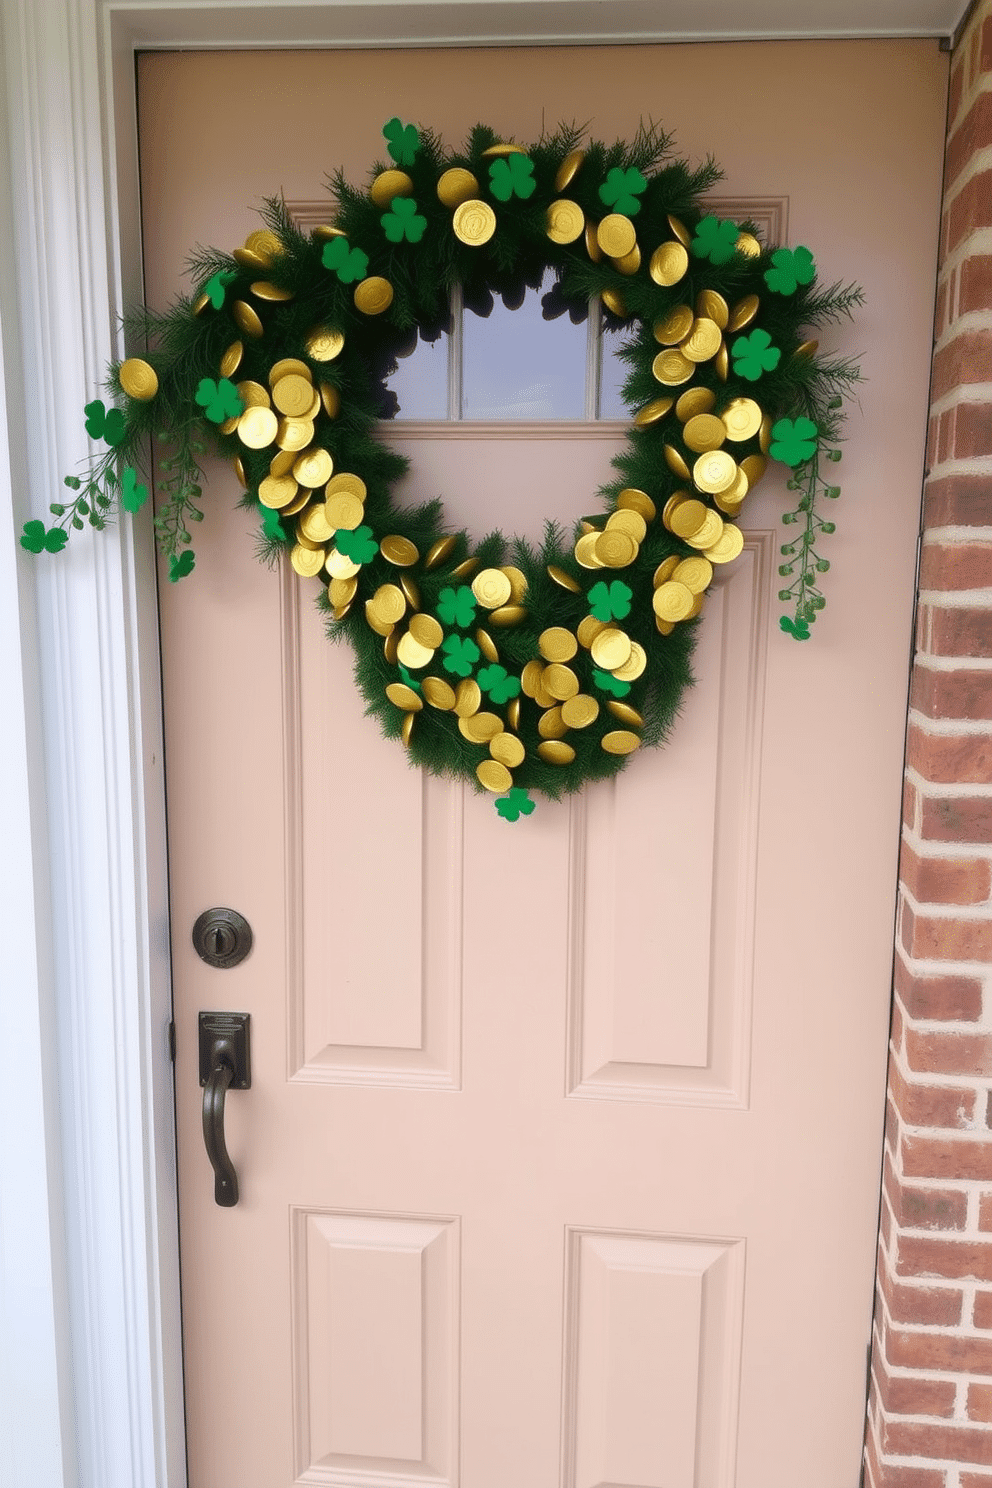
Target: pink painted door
[560, 1164]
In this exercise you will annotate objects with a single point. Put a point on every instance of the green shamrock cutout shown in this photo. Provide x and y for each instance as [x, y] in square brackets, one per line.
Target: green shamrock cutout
[610, 601]
[793, 440]
[219, 400]
[796, 628]
[500, 686]
[621, 189]
[792, 267]
[181, 565]
[409, 679]
[512, 175]
[457, 606]
[402, 141]
[754, 355]
[514, 804]
[350, 264]
[460, 657]
[37, 540]
[103, 423]
[606, 682]
[133, 493]
[402, 221]
[271, 525]
[715, 239]
[360, 546]
[216, 286]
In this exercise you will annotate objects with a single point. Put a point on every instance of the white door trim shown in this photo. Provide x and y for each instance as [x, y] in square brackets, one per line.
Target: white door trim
[89, 1296]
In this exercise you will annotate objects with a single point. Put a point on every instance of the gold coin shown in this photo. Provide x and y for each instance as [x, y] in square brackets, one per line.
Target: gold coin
[491, 588]
[672, 368]
[754, 467]
[247, 319]
[282, 463]
[614, 302]
[391, 646]
[480, 727]
[631, 499]
[743, 313]
[611, 648]
[694, 401]
[466, 567]
[742, 419]
[676, 499]
[630, 263]
[579, 711]
[625, 713]
[569, 169]
[712, 306]
[486, 645]
[807, 349]
[732, 508]
[729, 545]
[297, 504]
[542, 696]
[404, 697]
[331, 399]
[389, 184]
[324, 232]
[439, 551]
[250, 260]
[634, 666]
[313, 468]
[703, 341]
[669, 263]
[557, 644]
[494, 775]
[551, 724]
[675, 327]
[342, 591]
[665, 570]
[474, 222]
[294, 435]
[588, 629]
[663, 627]
[277, 491]
[680, 230]
[494, 152]
[675, 462]
[257, 427]
[412, 654]
[556, 752]
[139, 380]
[672, 601]
[508, 749]
[709, 533]
[201, 302]
[715, 471]
[293, 395]
[695, 573]
[631, 522]
[686, 518]
[615, 549]
[388, 604]
[704, 432]
[307, 561]
[585, 551]
[652, 413]
[518, 583]
[410, 589]
[748, 244]
[262, 289]
[456, 186]
[426, 630]
[239, 470]
[346, 480]
[399, 551]
[253, 395]
[765, 434]
[231, 360]
[560, 681]
[265, 243]
[564, 580]
[314, 525]
[340, 567]
[468, 698]
[439, 694]
[721, 363]
[620, 741]
[530, 678]
[508, 615]
[373, 295]
[324, 344]
[406, 732]
[564, 221]
[344, 510]
[697, 605]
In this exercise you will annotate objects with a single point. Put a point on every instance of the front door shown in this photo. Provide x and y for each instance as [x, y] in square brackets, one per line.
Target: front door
[560, 1164]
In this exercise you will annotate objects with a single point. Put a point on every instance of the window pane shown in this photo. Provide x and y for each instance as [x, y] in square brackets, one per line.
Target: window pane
[614, 373]
[421, 381]
[517, 365]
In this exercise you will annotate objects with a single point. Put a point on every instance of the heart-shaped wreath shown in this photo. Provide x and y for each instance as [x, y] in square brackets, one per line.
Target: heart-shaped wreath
[520, 669]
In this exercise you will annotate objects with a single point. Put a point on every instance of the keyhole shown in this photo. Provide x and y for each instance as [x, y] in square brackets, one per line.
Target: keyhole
[222, 938]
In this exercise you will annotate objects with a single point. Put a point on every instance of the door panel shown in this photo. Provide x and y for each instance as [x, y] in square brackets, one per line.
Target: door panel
[560, 1164]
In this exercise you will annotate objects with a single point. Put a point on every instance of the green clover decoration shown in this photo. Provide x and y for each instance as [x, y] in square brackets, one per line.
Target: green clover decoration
[791, 267]
[360, 546]
[409, 679]
[514, 804]
[181, 565]
[108, 424]
[133, 493]
[460, 655]
[754, 355]
[512, 175]
[621, 190]
[457, 606]
[271, 525]
[715, 239]
[402, 141]
[793, 441]
[402, 221]
[500, 686]
[606, 682]
[799, 629]
[216, 286]
[219, 400]
[37, 540]
[350, 264]
[610, 601]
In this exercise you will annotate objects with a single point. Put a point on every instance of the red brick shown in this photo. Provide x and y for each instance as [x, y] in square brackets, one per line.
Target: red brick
[945, 1157]
[945, 436]
[933, 880]
[969, 431]
[938, 998]
[964, 693]
[951, 759]
[909, 801]
[938, 1209]
[931, 938]
[895, 1475]
[958, 501]
[985, 47]
[931, 1105]
[975, 291]
[974, 1480]
[920, 1304]
[965, 359]
[965, 565]
[959, 1443]
[909, 1395]
[949, 1053]
[956, 819]
[983, 1300]
[949, 1353]
[960, 632]
[979, 1403]
[955, 1259]
[972, 134]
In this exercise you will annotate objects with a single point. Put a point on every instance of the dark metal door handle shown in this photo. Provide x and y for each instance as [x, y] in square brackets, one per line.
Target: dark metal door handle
[224, 1065]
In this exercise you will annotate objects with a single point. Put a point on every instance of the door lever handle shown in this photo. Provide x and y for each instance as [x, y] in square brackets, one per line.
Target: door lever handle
[225, 1064]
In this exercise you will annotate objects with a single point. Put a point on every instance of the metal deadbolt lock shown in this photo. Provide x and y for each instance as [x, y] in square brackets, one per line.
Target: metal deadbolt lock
[222, 937]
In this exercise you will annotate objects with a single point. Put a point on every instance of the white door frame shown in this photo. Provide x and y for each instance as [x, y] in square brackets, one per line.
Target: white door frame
[90, 1377]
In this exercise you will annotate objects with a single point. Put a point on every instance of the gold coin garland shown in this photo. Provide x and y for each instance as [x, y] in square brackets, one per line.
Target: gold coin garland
[518, 668]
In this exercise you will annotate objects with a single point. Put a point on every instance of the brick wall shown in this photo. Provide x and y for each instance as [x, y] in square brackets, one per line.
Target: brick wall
[930, 1410]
